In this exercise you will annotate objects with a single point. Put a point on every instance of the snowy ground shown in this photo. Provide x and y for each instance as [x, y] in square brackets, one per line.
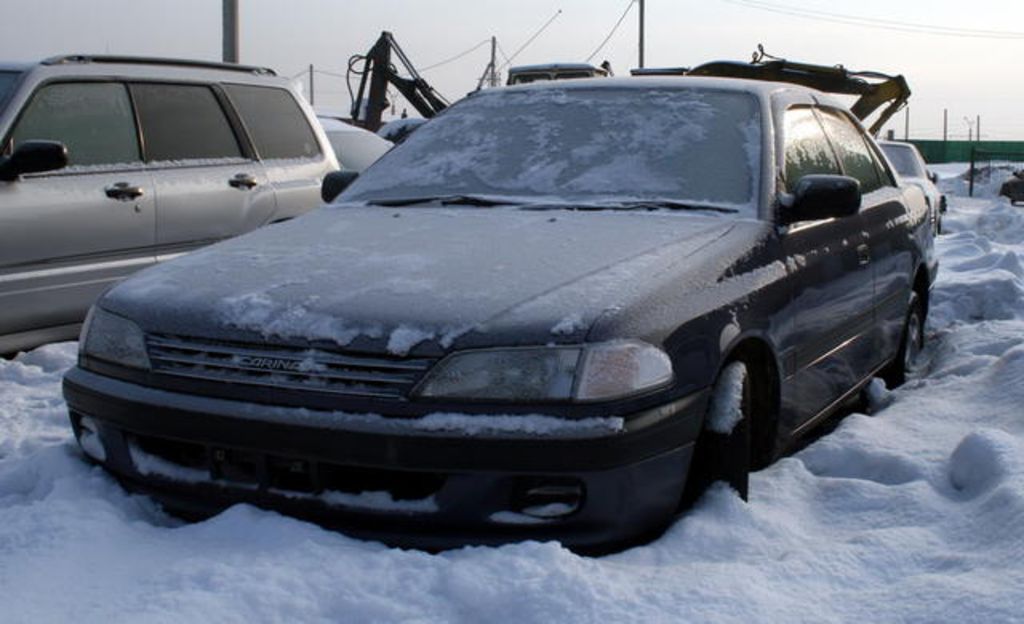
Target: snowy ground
[915, 513]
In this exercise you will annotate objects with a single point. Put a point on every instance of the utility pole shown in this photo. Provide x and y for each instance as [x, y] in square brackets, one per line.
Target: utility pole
[311, 84]
[494, 61]
[977, 132]
[945, 125]
[230, 27]
[906, 124]
[641, 33]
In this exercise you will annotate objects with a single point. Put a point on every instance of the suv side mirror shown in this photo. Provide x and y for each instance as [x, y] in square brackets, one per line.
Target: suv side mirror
[335, 182]
[934, 177]
[34, 157]
[819, 196]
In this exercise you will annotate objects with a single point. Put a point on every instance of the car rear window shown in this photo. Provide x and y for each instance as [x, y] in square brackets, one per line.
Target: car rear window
[183, 122]
[579, 143]
[93, 120]
[274, 120]
[7, 80]
[905, 160]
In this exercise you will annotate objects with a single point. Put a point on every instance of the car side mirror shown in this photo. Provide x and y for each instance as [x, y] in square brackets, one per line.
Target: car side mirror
[34, 157]
[335, 182]
[819, 196]
[934, 177]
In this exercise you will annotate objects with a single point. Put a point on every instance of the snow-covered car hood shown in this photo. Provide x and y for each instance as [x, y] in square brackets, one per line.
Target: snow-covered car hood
[392, 279]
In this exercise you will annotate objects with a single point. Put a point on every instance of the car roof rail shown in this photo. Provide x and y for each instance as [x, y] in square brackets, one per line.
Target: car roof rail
[146, 60]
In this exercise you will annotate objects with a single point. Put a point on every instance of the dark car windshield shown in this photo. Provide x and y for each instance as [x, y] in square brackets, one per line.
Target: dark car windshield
[593, 145]
[7, 80]
[905, 160]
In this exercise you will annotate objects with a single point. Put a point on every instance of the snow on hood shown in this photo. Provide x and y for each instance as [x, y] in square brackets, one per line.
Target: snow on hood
[396, 277]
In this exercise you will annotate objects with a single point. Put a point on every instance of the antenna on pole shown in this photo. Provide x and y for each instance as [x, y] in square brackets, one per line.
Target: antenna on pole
[230, 26]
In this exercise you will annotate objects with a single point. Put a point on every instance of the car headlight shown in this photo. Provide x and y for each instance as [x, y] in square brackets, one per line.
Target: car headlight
[112, 338]
[601, 371]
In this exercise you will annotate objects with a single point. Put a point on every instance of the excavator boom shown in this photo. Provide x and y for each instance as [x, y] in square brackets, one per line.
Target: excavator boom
[379, 72]
[875, 90]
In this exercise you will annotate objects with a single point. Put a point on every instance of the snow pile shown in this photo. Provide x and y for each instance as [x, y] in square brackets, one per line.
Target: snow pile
[915, 513]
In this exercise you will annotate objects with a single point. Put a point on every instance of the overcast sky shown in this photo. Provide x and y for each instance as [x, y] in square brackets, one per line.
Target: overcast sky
[969, 75]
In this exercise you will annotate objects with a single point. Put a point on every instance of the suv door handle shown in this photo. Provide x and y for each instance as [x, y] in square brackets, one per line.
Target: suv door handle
[243, 181]
[863, 255]
[123, 191]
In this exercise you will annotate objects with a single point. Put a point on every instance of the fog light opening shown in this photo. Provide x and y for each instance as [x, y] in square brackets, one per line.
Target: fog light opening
[549, 500]
[89, 439]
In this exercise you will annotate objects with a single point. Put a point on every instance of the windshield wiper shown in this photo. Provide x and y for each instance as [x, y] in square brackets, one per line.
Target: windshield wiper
[634, 204]
[444, 200]
[655, 204]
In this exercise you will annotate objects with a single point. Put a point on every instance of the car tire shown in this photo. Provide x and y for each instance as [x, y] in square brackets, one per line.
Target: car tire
[911, 345]
[723, 454]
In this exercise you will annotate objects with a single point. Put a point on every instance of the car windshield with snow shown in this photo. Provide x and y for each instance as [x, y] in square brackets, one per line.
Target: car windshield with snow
[557, 311]
[585, 147]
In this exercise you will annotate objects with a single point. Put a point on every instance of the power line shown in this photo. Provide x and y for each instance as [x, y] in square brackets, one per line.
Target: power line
[501, 51]
[871, 22]
[509, 60]
[456, 57]
[614, 28]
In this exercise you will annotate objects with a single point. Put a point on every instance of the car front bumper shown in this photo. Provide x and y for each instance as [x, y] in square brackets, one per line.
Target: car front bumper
[405, 487]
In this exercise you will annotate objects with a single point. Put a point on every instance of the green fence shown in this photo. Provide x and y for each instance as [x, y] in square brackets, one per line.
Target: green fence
[960, 151]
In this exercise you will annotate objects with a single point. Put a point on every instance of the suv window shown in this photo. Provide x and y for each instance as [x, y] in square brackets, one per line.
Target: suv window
[274, 120]
[807, 149]
[7, 80]
[93, 119]
[858, 161]
[183, 122]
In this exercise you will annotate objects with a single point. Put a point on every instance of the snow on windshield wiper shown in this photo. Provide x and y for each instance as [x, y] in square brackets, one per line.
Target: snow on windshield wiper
[633, 204]
[445, 200]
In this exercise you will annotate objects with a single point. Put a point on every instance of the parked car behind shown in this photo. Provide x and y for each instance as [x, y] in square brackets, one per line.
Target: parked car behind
[355, 148]
[397, 130]
[911, 169]
[518, 326]
[162, 156]
[1013, 187]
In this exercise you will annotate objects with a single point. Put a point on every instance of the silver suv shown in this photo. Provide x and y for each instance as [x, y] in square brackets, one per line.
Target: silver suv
[111, 164]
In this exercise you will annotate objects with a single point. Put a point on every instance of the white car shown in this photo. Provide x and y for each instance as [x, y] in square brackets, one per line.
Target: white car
[910, 168]
[355, 148]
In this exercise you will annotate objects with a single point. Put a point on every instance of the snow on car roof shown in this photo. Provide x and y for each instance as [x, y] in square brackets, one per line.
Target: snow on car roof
[551, 66]
[331, 124]
[759, 88]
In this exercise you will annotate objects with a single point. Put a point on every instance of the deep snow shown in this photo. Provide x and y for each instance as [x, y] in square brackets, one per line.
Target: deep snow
[914, 513]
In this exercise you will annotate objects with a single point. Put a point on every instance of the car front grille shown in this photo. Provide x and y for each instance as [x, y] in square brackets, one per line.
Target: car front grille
[283, 367]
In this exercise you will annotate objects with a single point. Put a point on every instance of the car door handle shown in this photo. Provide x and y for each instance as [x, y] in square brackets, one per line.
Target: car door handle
[863, 255]
[243, 181]
[124, 191]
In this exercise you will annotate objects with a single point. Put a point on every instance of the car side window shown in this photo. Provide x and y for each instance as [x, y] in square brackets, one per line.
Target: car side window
[807, 150]
[854, 153]
[274, 121]
[94, 120]
[183, 122]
